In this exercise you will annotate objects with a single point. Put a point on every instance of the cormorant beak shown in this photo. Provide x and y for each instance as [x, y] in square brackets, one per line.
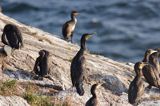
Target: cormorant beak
[153, 51]
[76, 13]
[99, 84]
[90, 35]
[142, 65]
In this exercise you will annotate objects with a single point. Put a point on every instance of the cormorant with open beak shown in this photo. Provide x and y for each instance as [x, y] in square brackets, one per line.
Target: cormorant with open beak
[69, 27]
[12, 36]
[151, 71]
[93, 100]
[136, 87]
[41, 64]
[77, 66]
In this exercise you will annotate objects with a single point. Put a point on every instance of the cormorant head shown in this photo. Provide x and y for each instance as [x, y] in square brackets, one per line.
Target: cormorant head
[8, 27]
[154, 57]
[46, 52]
[147, 54]
[138, 67]
[43, 53]
[74, 13]
[86, 36]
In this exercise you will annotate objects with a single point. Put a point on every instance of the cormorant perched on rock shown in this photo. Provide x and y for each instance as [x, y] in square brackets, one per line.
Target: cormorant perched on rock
[77, 66]
[41, 64]
[136, 87]
[151, 71]
[69, 26]
[12, 36]
[93, 100]
[147, 54]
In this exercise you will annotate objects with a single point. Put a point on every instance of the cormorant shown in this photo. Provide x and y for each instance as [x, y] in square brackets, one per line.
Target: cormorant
[93, 100]
[12, 36]
[41, 64]
[147, 54]
[136, 87]
[69, 26]
[77, 66]
[151, 71]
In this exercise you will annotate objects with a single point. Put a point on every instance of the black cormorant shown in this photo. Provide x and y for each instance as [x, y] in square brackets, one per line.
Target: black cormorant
[136, 87]
[151, 71]
[77, 66]
[12, 36]
[69, 26]
[93, 100]
[41, 64]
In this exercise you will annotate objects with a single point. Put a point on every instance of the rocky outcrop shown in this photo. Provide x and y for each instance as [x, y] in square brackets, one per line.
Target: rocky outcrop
[13, 101]
[116, 76]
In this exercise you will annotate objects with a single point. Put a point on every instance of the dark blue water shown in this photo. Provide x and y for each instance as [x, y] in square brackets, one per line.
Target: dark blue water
[125, 28]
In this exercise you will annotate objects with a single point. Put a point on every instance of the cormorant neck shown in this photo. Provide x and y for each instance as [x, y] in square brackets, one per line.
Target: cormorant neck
[94, 94]
[138, 75]
[83, 44]
[73, 18]
[146, 58]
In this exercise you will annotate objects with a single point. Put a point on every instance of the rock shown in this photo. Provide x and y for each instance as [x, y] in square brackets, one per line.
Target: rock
[12, 101]
[116, 76]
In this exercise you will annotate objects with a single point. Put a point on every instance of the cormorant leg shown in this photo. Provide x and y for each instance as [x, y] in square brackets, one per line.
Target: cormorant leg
[72, 37]
[71, 40]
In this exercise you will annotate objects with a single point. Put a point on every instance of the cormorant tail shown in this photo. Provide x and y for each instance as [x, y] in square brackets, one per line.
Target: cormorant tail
[79, 88]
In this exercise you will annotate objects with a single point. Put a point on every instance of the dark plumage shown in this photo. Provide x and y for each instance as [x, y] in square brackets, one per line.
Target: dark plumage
[12, 36]
[136, 87]
[77, 67]
[93, 100]
[41, 64]
[69, 26]
[147, 54]
[151, 71]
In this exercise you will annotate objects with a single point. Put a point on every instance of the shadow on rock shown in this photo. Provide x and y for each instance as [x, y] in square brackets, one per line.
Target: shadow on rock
[19, 74]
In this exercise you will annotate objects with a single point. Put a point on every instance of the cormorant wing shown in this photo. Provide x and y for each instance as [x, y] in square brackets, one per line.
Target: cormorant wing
[140, 87]
[67, 28]
[77, 68]
[36, 68]
[149, 74]
[131, 91]
[3, 38]
[80, 68]
[18, 35]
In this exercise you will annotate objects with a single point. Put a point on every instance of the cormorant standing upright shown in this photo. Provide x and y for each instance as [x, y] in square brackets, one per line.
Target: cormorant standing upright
[136, 87]
[41, 64]
[93, 100]
[77, 66]
[151, 71]
[12, 36]
[69, 26]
